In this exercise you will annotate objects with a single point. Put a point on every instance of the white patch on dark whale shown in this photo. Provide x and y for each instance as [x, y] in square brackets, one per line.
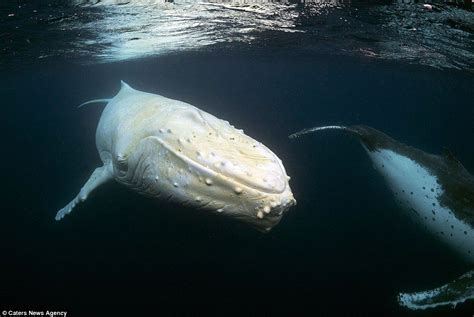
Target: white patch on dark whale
[418, 191]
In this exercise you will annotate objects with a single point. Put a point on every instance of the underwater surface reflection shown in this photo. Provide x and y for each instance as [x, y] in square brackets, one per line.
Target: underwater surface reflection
[441, 36]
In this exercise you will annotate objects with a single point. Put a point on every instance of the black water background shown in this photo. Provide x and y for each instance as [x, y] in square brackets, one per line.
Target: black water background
[345, 249]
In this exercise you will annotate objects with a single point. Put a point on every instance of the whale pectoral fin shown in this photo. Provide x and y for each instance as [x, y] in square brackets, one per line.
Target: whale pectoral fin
[453, 293]
[100, 176]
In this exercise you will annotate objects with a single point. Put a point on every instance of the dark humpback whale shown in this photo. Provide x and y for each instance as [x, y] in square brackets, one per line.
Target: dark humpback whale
[437, 191]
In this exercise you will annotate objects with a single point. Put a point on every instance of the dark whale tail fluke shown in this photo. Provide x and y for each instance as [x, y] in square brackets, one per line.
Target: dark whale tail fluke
[315, 129]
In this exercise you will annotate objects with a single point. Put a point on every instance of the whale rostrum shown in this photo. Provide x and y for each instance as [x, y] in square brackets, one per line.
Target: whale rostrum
[167, 149]
[436, 191]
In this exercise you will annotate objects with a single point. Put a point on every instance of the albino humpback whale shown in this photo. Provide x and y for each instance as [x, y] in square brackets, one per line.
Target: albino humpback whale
[437, 191]
[168, 149]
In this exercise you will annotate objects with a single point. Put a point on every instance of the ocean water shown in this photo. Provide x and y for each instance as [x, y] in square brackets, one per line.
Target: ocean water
[345, 249]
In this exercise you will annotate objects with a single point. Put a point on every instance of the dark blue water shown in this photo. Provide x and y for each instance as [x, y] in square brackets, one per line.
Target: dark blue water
[345, 249]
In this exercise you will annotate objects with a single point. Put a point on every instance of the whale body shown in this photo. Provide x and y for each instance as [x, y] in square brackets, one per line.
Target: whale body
[167, 149]
[436, 191]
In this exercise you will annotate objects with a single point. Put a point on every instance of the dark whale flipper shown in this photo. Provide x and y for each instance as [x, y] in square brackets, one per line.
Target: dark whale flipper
[453, 293]
[315, 129]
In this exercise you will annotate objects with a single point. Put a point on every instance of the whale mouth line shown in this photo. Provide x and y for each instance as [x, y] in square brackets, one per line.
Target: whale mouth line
[235, 181]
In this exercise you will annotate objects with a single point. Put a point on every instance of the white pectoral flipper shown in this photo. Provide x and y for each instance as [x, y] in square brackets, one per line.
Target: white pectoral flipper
[456, 292]
[100, 176]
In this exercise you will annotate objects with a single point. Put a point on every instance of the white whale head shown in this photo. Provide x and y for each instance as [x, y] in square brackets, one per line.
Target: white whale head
[169, 149]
